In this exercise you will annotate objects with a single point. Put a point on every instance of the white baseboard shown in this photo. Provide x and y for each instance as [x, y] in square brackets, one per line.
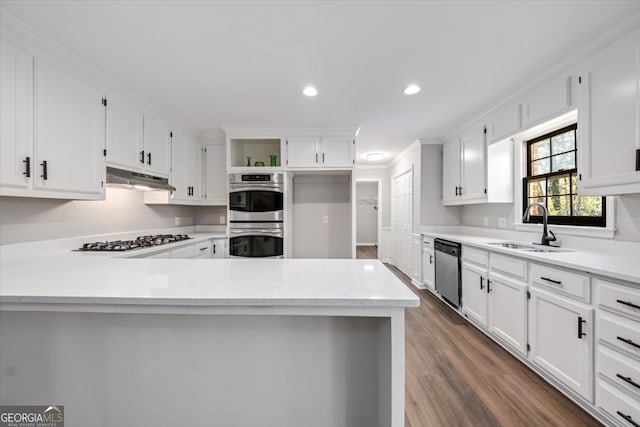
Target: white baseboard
[366, 244]
[386, 260]
[418, 284]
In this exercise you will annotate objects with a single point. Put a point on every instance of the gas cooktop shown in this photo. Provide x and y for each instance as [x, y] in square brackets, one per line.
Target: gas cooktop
[139, 242]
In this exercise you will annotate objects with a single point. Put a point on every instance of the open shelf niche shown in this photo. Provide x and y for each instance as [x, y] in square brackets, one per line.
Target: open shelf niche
[259, 150]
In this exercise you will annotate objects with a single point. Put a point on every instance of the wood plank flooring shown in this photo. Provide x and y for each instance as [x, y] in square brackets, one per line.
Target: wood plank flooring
[366, 252]
[456, 376]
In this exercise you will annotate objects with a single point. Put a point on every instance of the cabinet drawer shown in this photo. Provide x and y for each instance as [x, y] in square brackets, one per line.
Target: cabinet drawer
[618, 297]
[619, 369]
[564, 282]
[620, 332]
[475, 255]
[619, 405]
[512, 266]
[204, 249]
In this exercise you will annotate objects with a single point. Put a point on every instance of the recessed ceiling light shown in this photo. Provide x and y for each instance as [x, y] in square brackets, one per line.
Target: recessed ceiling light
[412, 89]
[310, 91]
[375, 156]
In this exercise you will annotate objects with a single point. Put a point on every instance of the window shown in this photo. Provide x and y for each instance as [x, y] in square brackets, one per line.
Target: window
[552, 178]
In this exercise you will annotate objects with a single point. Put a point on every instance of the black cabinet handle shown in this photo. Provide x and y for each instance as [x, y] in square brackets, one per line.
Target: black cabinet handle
[142, 157]
[628, 341]
[580, 322]
[430, 259]
[149, 159]
[628, 419]
[27, 167]
[203, 249]
[456, 190]
[323, 158]
[630, 304]
[557, 282]
[481, 282]
[45, 173]
[628, 380]
[214, 249]
[488, 286]
[460, 191]
[316, 157]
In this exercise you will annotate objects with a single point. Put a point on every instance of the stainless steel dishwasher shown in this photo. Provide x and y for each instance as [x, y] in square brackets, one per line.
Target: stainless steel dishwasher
[448, 283]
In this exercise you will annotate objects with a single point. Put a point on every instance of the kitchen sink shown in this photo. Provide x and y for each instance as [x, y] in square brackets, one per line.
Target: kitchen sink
[528, 248]
[541, 249]
[512, 245]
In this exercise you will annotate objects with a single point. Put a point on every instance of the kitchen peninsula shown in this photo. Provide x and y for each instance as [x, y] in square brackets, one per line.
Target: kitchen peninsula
[203, 341]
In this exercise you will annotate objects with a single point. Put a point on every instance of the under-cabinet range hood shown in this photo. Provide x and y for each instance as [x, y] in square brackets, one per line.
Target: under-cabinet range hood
[136, 180]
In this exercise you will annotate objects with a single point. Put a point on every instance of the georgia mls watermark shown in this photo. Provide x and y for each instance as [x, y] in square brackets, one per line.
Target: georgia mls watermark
[32, 416]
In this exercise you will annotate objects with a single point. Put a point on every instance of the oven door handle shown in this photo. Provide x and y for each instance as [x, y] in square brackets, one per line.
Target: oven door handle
[255, 187]
[254, 232]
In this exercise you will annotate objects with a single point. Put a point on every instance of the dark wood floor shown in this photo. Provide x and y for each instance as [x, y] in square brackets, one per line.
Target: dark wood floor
[366, 252]
[456, 376]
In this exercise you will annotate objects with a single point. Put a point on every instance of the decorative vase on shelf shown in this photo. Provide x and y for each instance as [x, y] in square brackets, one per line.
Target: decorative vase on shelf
[248, 160]
[273, 160]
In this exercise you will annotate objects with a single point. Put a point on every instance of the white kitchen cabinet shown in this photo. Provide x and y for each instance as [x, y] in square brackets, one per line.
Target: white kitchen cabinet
[215, 175]
[69, 136]
[473, 170]
[302, 152]
[160, 255]
[609, 119]
[450, 171]
[185, 168]
[157, 146]
[474, 293]
[508, 310]
[546, 100]
[428, 266]
[188, 251]
[314, 152]
[561, 340]
[416, 259]
[204, 249]
[337, 152]
[504, 121]
[219, 249]
[16, 113]
[125, 127]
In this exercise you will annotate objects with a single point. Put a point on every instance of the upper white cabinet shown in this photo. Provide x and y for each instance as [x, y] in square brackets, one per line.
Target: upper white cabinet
[69, 136]
[314, 152]
[450, 170]
[546, 100]
[473, 171]
[215, 175]
[125, 128]
[504, 121]
[16, 112]
[157, 146]
[609, 119]
[186, 168]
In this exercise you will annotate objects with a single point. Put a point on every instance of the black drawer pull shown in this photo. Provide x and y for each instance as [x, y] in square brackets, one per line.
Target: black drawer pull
[430, 259]
[629, 342]
[45, 172]
[488, 286]
[628, 419]
[149, 159]
[203, 249]
[214, 249]
[481, 282]
[142, 157]
[628, 380]
[630, 304]
[557, 282]
[27, 167]
[580, 322]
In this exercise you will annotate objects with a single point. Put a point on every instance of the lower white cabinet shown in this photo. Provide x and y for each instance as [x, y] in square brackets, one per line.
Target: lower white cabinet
[474, 293]
[508, 310]
[428, 264]
[184, 252]
[561, 340]
[416, 257]
[219, 248]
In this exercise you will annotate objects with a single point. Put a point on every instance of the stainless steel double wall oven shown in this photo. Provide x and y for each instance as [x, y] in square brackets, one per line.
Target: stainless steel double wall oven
[256, 214]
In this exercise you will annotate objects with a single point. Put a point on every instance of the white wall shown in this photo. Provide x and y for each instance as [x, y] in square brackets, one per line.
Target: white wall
[25, 219]
[316, 196]
[366, 213]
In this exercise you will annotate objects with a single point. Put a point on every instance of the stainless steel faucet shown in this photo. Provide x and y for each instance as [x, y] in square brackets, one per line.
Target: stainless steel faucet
[545, 218]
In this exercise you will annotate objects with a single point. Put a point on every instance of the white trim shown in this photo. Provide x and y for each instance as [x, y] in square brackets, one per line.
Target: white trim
[366, 244]
[396, 159]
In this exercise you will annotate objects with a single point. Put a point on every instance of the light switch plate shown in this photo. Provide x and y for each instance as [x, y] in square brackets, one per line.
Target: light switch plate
[325, 219]
[223, 220]
[176, 221]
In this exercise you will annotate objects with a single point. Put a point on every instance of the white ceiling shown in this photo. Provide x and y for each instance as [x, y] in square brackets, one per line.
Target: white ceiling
[244, 64]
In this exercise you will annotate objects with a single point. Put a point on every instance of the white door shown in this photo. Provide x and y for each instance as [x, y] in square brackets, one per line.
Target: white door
[16, 112]
[193, 168]
[428, 270]
[215, 174]
[157, 146]
[416, 252]
[508, 311]
[302, 152]
[402, 219]
[609, 120]
[450, 170]
[337, 152]
[124, 135]
[475, 293]
[561, 339]
[70, 135]
[179, 167]
[473, 163]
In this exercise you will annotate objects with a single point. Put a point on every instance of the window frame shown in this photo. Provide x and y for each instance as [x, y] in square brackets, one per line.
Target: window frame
[571, 220]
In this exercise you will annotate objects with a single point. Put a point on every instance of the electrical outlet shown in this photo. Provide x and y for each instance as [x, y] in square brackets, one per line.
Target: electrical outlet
[502, 222]
[486, 221]
[223, 220]
[325, 219]
[176, 221]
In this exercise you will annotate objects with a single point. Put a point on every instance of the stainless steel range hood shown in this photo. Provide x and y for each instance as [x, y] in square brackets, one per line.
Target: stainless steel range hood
[136, 180]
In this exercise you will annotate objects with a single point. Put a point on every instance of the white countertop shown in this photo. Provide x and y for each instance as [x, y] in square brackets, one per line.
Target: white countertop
[618, 265]
[59, 276]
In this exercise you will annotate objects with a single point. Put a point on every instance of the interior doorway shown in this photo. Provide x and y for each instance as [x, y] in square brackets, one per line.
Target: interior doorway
[368, 218]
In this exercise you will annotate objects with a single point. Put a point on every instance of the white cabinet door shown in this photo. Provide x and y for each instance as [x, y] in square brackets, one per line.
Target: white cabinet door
[337, 152]
[428, 270]
[302, 152]
[554, 326]
[474, 293]
[124, 135]
[70, 135]
[179, 147]
[219, 248]
[194, 169]
[215, 175]
[157, 146]
[16, 113]
[504, 121]
[609, 119]
[416, 252]
[546, 100]
[184, 252]
[450, 170]
[508, 311]
[473, 151]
